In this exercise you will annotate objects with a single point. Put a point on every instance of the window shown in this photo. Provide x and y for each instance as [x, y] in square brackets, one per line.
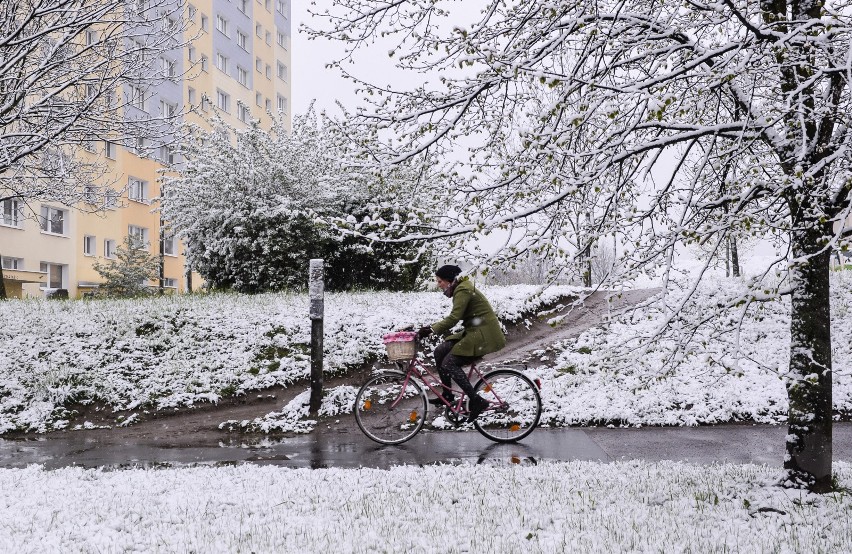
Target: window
[139, 235]
[204, 63]
[205, 23]
[242, 76]
[109, 248]
[167, 109]
[191, 11]
[111, 199]
[169, 283]
[55, 274]
[281, 6]
[53, 220]
[268, 71]
[89, 245]
[89, 194]
[169, 244]
[222, 100]
[268, 38]
[13, 263]
[282, 71]
[140, 146]
[222, 25]
[109, 149]
[205, 103]
[140, 6]
[268, 5]
[91, 37]
[282, 40]
[88, 145]
[243, 113]
[222, 62]
[137, 97]
[258, 30]
[167, 154]
[258, 99]
[193, 54]
[171, 25]
[137, 189]
[169, 67]
[12, 213]
[190, 95]
[242, 5]
[258, 65]
[268, 105]
[242, 40]
[282, 104]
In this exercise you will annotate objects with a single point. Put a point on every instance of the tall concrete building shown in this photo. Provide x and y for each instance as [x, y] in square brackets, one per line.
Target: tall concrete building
[237, 63]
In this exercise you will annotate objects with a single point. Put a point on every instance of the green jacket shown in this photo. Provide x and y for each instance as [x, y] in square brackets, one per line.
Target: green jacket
[482, 333]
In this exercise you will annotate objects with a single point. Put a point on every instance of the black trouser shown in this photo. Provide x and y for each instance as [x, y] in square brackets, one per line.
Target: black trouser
[450, 367]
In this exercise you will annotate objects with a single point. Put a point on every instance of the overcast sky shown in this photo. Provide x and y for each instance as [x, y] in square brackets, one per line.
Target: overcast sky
[311, 79]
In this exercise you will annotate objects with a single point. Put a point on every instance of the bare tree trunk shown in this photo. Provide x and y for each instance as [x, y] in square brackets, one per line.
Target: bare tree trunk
[728, 257]
[2, 284]
[809, 442]
[735, 257]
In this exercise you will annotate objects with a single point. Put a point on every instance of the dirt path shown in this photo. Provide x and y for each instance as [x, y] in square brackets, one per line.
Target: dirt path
[199, 426]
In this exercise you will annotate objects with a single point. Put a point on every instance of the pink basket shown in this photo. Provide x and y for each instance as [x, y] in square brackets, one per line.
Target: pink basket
[400, 345]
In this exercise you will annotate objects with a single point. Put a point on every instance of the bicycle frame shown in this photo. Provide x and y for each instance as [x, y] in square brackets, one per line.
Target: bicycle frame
[417, 369]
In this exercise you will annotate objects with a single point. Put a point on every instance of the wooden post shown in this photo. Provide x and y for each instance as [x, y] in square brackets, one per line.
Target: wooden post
[316, 289]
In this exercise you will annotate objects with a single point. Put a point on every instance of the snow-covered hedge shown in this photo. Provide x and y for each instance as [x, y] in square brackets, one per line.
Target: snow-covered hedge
[620, 373]
[177, 350]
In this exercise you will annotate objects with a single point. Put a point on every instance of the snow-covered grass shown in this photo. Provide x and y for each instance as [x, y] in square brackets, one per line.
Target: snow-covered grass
[619, 373]
[175, 351]
[553, 507]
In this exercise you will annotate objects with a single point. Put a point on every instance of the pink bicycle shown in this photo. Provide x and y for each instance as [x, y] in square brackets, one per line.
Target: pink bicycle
[391, 407]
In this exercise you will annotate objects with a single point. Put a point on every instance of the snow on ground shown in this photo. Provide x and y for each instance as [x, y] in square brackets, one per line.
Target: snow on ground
[555, 507]
[619, 373]
[175, 351]
[163, 352]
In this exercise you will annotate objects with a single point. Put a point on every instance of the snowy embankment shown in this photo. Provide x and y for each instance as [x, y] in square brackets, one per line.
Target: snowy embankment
[620, 373]
[157, 353]
[560, 507]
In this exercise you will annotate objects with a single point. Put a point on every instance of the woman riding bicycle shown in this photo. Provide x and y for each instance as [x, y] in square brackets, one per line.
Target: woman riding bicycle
[481, 335]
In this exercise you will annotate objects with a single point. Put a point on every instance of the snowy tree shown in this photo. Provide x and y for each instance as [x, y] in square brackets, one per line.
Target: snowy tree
[73, 73]
[128, 275]
[643, 91]
[250, 205]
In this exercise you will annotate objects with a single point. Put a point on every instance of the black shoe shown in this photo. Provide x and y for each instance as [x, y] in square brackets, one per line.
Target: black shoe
[477, 405]
[437, 401]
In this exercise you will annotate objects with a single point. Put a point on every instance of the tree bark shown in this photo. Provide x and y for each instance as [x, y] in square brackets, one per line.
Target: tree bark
[809, 442]
[735, 258]
[2, 284]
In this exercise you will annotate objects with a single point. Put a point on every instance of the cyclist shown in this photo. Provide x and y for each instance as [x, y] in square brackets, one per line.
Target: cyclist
[481, 335]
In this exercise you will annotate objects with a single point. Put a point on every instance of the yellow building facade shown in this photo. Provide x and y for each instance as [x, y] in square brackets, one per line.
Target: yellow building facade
[237, 64]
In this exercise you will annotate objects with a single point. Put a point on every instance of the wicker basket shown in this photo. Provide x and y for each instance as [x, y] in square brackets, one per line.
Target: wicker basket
[401, 350]
[401, 346]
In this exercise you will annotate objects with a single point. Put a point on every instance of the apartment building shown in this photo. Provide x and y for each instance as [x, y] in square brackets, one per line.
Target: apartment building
[238, 63]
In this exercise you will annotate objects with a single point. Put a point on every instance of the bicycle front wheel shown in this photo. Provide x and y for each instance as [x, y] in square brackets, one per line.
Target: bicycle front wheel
[514, 406]
[389, 410]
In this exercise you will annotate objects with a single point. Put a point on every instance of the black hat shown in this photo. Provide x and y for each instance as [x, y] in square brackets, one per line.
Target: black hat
[448, 272]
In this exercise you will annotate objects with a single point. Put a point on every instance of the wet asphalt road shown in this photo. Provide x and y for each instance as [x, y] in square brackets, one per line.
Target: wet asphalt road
[348, 448]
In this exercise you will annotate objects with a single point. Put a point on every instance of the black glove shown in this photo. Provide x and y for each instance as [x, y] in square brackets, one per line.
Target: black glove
[424, 332]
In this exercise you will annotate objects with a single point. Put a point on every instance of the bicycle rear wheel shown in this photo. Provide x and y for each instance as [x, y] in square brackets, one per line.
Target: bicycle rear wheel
[388, 414]
[515, 405]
